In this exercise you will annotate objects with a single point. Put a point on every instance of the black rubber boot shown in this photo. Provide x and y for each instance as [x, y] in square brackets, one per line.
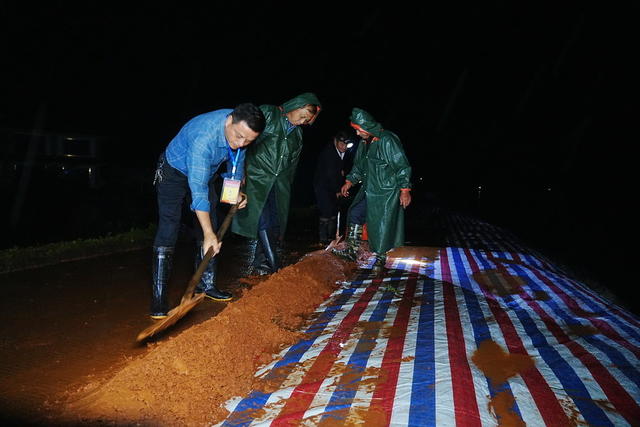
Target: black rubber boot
[323, 231]
[259, 265]
[332, 228]
[270, 250]
[207, 283]
[354, 238]
[161, 269]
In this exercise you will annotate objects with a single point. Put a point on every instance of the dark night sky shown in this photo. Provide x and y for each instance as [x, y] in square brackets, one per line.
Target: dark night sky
[479, 92]
[515, 96]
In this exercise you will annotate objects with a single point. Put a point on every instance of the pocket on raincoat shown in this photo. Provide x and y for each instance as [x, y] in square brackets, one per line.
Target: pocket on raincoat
[382, 177]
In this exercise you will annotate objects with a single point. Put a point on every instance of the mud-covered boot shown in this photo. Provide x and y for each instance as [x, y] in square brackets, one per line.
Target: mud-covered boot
[161, 269]
[270, 250]
[354, 238]
[379, 263]
[207, 284]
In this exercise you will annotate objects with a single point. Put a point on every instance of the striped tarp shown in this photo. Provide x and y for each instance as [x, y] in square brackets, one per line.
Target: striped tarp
[402, 348]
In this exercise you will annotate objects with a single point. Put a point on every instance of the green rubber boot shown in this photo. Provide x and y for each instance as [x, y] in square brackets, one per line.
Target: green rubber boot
[354, 238]
[380, 262]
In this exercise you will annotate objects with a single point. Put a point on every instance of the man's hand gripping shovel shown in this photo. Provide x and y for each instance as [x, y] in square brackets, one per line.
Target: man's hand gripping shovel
[189, 300]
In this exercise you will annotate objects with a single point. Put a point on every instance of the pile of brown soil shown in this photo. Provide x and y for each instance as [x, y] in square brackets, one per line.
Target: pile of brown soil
[414, 252]
[186, 379]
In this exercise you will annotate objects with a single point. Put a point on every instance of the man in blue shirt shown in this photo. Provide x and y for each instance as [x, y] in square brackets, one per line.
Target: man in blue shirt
[186, 167]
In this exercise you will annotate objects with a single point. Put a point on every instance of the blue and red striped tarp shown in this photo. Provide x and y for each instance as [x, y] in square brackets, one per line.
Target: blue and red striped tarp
[398, 349]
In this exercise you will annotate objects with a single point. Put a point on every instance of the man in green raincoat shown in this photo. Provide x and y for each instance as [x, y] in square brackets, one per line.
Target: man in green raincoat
[384, 171]
[271, 164]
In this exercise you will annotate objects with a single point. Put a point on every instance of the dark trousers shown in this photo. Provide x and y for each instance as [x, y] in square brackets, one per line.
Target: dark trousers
[328, 208]
[172, 189]
[358, 212]
[269, 215]
[327, 202]
[268, 234]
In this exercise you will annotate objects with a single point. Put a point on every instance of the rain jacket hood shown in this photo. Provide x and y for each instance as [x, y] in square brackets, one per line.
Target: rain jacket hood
[365, 121]
[300, 101]
[271, 164]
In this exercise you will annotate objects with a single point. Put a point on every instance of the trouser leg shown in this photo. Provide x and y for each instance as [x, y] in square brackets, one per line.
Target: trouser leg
[327, 210]
[161, 270]
[266, 259]
[207, 284]
[208, 278]
[171, 189]
[323, 230]
[358, 212]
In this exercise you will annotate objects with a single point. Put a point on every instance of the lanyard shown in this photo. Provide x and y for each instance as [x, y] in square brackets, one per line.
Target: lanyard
[234, 162]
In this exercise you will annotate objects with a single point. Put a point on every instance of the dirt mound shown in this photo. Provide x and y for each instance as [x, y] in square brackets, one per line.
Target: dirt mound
[186, 379]
[414, 252]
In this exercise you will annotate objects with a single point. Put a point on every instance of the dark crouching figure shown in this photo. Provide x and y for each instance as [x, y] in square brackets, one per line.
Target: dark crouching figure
[331, 168]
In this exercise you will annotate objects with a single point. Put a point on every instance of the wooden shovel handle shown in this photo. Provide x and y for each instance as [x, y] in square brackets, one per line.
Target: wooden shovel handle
[227, 219]
[207, 257]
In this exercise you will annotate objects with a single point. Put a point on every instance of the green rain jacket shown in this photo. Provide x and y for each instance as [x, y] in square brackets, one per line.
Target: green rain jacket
[383, 169]
[272, 161]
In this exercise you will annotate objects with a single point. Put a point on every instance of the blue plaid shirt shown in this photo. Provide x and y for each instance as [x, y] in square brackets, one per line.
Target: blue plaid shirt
[198, 150]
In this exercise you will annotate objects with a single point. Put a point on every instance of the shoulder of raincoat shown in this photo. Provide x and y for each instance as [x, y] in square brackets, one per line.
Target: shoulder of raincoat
[271, 162]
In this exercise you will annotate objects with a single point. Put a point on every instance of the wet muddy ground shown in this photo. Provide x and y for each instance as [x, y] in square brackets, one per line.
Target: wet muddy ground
[70, 324]
[73, 324]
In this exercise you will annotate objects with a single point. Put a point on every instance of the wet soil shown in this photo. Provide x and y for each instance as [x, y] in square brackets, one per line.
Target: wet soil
[499, 282]
[71, 326]
[185, 380]
[499, 366]
[68, 351]
[413, 252]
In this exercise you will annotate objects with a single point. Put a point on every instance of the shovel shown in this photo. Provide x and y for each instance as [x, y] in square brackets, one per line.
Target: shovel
[189, 300]
[338, 238]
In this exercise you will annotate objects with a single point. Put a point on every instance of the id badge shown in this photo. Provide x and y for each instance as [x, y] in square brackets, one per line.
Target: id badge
[230, 191]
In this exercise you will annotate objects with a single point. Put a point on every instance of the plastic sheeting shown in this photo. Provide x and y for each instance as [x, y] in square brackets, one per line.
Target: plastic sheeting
[398, 349]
